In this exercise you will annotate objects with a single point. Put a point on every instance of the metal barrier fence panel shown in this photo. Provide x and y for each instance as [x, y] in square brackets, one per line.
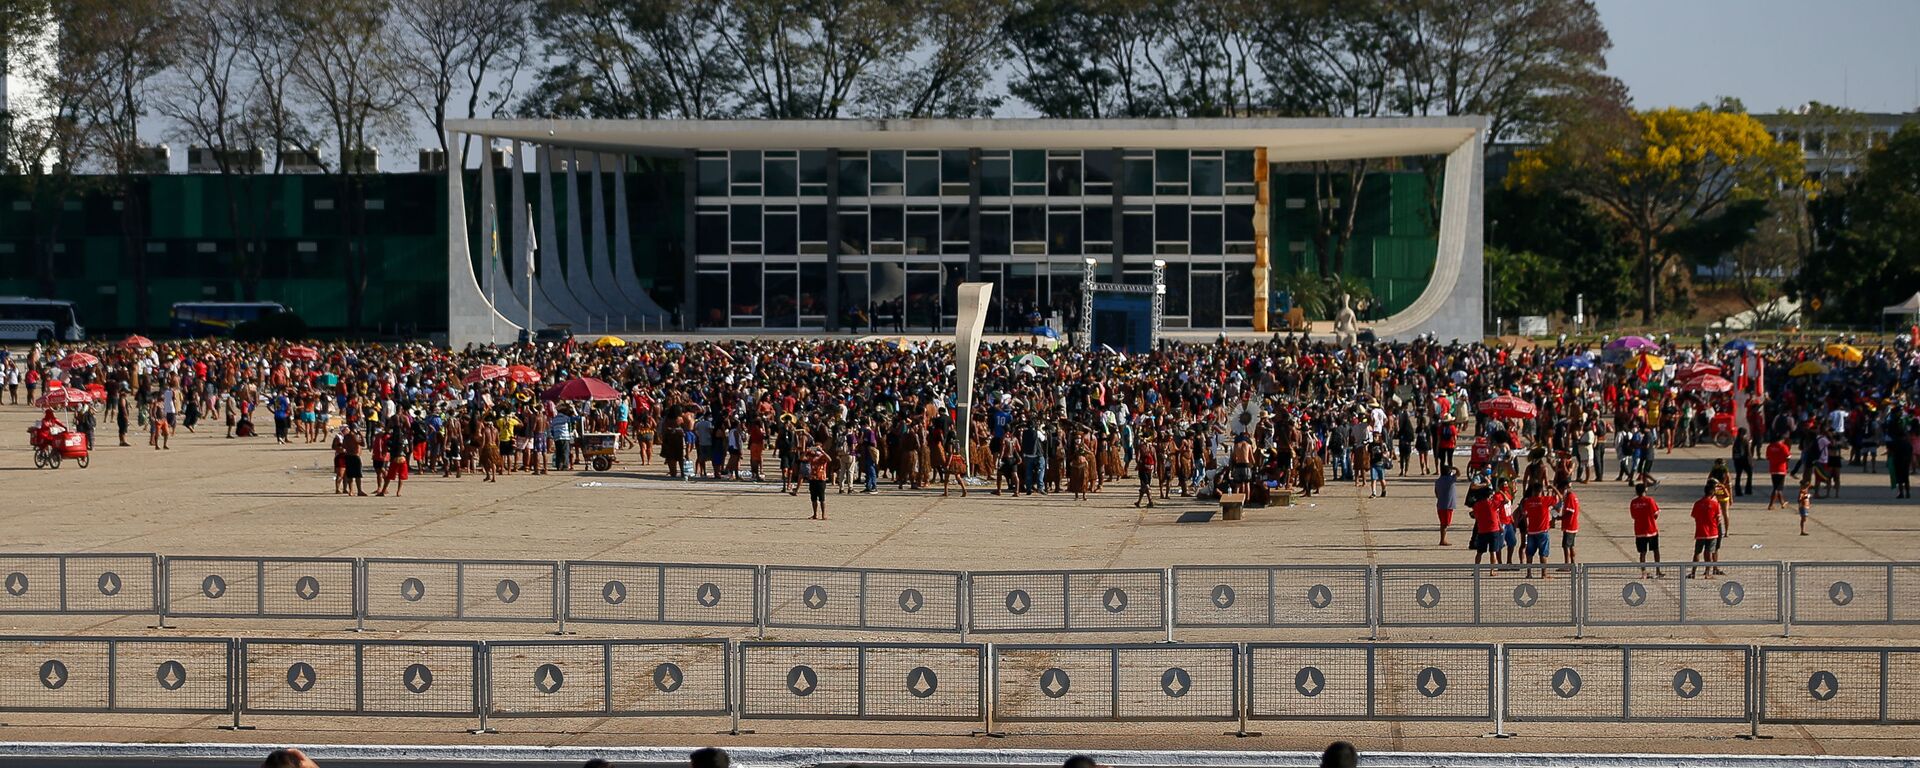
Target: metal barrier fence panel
[510, 591]
[1433, 682]
[78, 583]
[613, 592]
[1842, 593]
[1186, 682]
[537, 678]
[1549, 682]
[428, 678]
[925, 682]
[1223, 596]
[1905, 582]
[281, 588]
[1902, 681]
[1054, 682]
[1115, 600]
[1428, 595]
[1017, 601]
[1737, 593]
[1822, 685]
[1544, 598]
[804, 681]
[687, 677]
[300, 677]
[42, 674]
[1309, 681]
[815, 598]
[1276, 596]
[423, 590]
[172, 675]
[1626, 594]
[1688, 683]
[923, 601]
[31, 584]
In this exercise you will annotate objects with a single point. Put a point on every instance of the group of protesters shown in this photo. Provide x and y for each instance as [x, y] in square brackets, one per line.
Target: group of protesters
[1281, 415]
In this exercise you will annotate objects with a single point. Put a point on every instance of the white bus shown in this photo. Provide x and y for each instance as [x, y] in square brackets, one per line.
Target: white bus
[38, 320]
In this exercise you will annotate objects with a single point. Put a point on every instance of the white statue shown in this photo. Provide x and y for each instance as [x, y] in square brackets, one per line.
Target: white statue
[1346, 327]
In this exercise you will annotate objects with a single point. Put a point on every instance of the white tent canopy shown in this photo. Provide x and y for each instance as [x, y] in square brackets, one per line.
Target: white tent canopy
[1909, 307]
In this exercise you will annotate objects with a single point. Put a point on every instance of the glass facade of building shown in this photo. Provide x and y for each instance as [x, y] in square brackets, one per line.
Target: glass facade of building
[802, 238]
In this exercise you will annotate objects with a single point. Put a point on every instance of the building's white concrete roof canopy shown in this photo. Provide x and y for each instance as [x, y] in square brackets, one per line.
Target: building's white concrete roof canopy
[1286, 139]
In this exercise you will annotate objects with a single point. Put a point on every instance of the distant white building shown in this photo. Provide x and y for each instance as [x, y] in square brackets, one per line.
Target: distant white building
[22, 70]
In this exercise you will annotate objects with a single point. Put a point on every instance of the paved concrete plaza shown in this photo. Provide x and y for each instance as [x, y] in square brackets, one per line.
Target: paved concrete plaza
[209, 495]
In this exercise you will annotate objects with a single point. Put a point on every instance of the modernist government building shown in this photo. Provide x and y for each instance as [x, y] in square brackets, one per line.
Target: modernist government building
[858, 225]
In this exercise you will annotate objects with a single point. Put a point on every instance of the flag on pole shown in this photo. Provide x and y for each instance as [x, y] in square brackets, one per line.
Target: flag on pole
[531, 242]
[493, 224]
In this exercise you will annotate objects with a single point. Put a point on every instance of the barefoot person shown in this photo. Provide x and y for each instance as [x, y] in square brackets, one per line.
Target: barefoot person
[1709, 523]
[1445, 499]
[815, 463]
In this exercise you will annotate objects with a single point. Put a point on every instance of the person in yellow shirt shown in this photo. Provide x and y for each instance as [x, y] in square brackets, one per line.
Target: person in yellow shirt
[506, 424]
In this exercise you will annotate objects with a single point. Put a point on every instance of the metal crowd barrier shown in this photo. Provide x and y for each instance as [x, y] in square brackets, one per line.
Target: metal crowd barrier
[960, 602]
[964, 682]
[1471, 595]
[1855, 593]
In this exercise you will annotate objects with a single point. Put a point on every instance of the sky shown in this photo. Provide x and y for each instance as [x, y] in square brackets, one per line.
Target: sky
[1771, 54]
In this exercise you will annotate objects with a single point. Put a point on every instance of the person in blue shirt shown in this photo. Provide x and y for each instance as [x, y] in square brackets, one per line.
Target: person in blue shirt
[561, 431]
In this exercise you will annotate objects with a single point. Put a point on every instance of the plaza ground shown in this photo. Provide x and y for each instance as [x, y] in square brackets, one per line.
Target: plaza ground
[209, 495]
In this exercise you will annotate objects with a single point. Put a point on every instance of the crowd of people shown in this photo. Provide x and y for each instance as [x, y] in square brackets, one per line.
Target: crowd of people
[1282, 415]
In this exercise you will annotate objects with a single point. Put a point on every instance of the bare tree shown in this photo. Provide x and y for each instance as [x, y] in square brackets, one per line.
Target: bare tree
[455, 45]
[958, 47]
[802, 58]
[270, 49]
[209, 101]
[350, 74]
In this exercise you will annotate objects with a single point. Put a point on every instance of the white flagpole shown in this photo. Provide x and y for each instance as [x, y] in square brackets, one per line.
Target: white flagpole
[531, 244]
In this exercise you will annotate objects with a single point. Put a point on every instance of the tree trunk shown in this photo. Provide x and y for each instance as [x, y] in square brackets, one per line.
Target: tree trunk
[1651, 275]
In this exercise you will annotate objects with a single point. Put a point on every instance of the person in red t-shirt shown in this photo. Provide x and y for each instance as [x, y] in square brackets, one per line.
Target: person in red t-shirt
[1569, 522]
[1777, 455]
[1536, 515]
[1646, 528]
[1709, 524]
[1488, 523]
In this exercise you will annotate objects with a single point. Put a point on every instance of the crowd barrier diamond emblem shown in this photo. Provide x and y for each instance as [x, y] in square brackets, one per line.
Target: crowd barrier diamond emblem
[418, 678]
[1319, 596]
[1633, 594]
[815, 597]
[1427, 595]
[53, 675]
[1687, 683]
[1018, 603]
[1841, 593]
[507, 590]
[1526, 595]
[213, 586]
[708, 595]
[412, 589]
[1823, 686]
[1175, 682]
[301, 677]
[171, 675]
[1309, 681]
[1054, 683]
[16, 583]
[549, 678]
[922, 682]
[1566, 683]
[306, 588]
[1432, 682]
[1115, 600]
[1732, 593]
[911, 600]
[109, 584]
[667, 677]
[613, 592]
[1222, 596]
[801, 680]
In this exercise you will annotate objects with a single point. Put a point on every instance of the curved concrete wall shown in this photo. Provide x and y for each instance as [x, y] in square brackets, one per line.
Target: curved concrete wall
[1453, 305]
[471, 319]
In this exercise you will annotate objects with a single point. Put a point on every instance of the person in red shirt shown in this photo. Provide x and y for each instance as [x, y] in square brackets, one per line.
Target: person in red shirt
[816, 462]
[1536, 515]
[1777, 455]
[1646, 528]
[1569, 522]
[1488, 523]
[1709, 524]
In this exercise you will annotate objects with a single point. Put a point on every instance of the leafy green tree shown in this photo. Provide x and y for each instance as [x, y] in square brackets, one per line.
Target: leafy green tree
[1524, 283]
[1586, 247]
[1868, 250]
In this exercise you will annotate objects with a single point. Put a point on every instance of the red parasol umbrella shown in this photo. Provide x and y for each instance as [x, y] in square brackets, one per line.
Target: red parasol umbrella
[300, 352]
[521, 374]
[1707, 382]
[1692, 370]
[583, 388]
[485, 373]
[137, 341]
[63, 397]
[78, 360]
[98, 390]
[1508, 407]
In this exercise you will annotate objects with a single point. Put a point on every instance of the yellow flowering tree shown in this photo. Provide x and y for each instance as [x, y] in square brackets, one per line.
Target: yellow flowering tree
[1659, 172]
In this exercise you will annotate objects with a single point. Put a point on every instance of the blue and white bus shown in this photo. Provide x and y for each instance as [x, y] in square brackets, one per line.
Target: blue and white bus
[218, 318]
[38, 320]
